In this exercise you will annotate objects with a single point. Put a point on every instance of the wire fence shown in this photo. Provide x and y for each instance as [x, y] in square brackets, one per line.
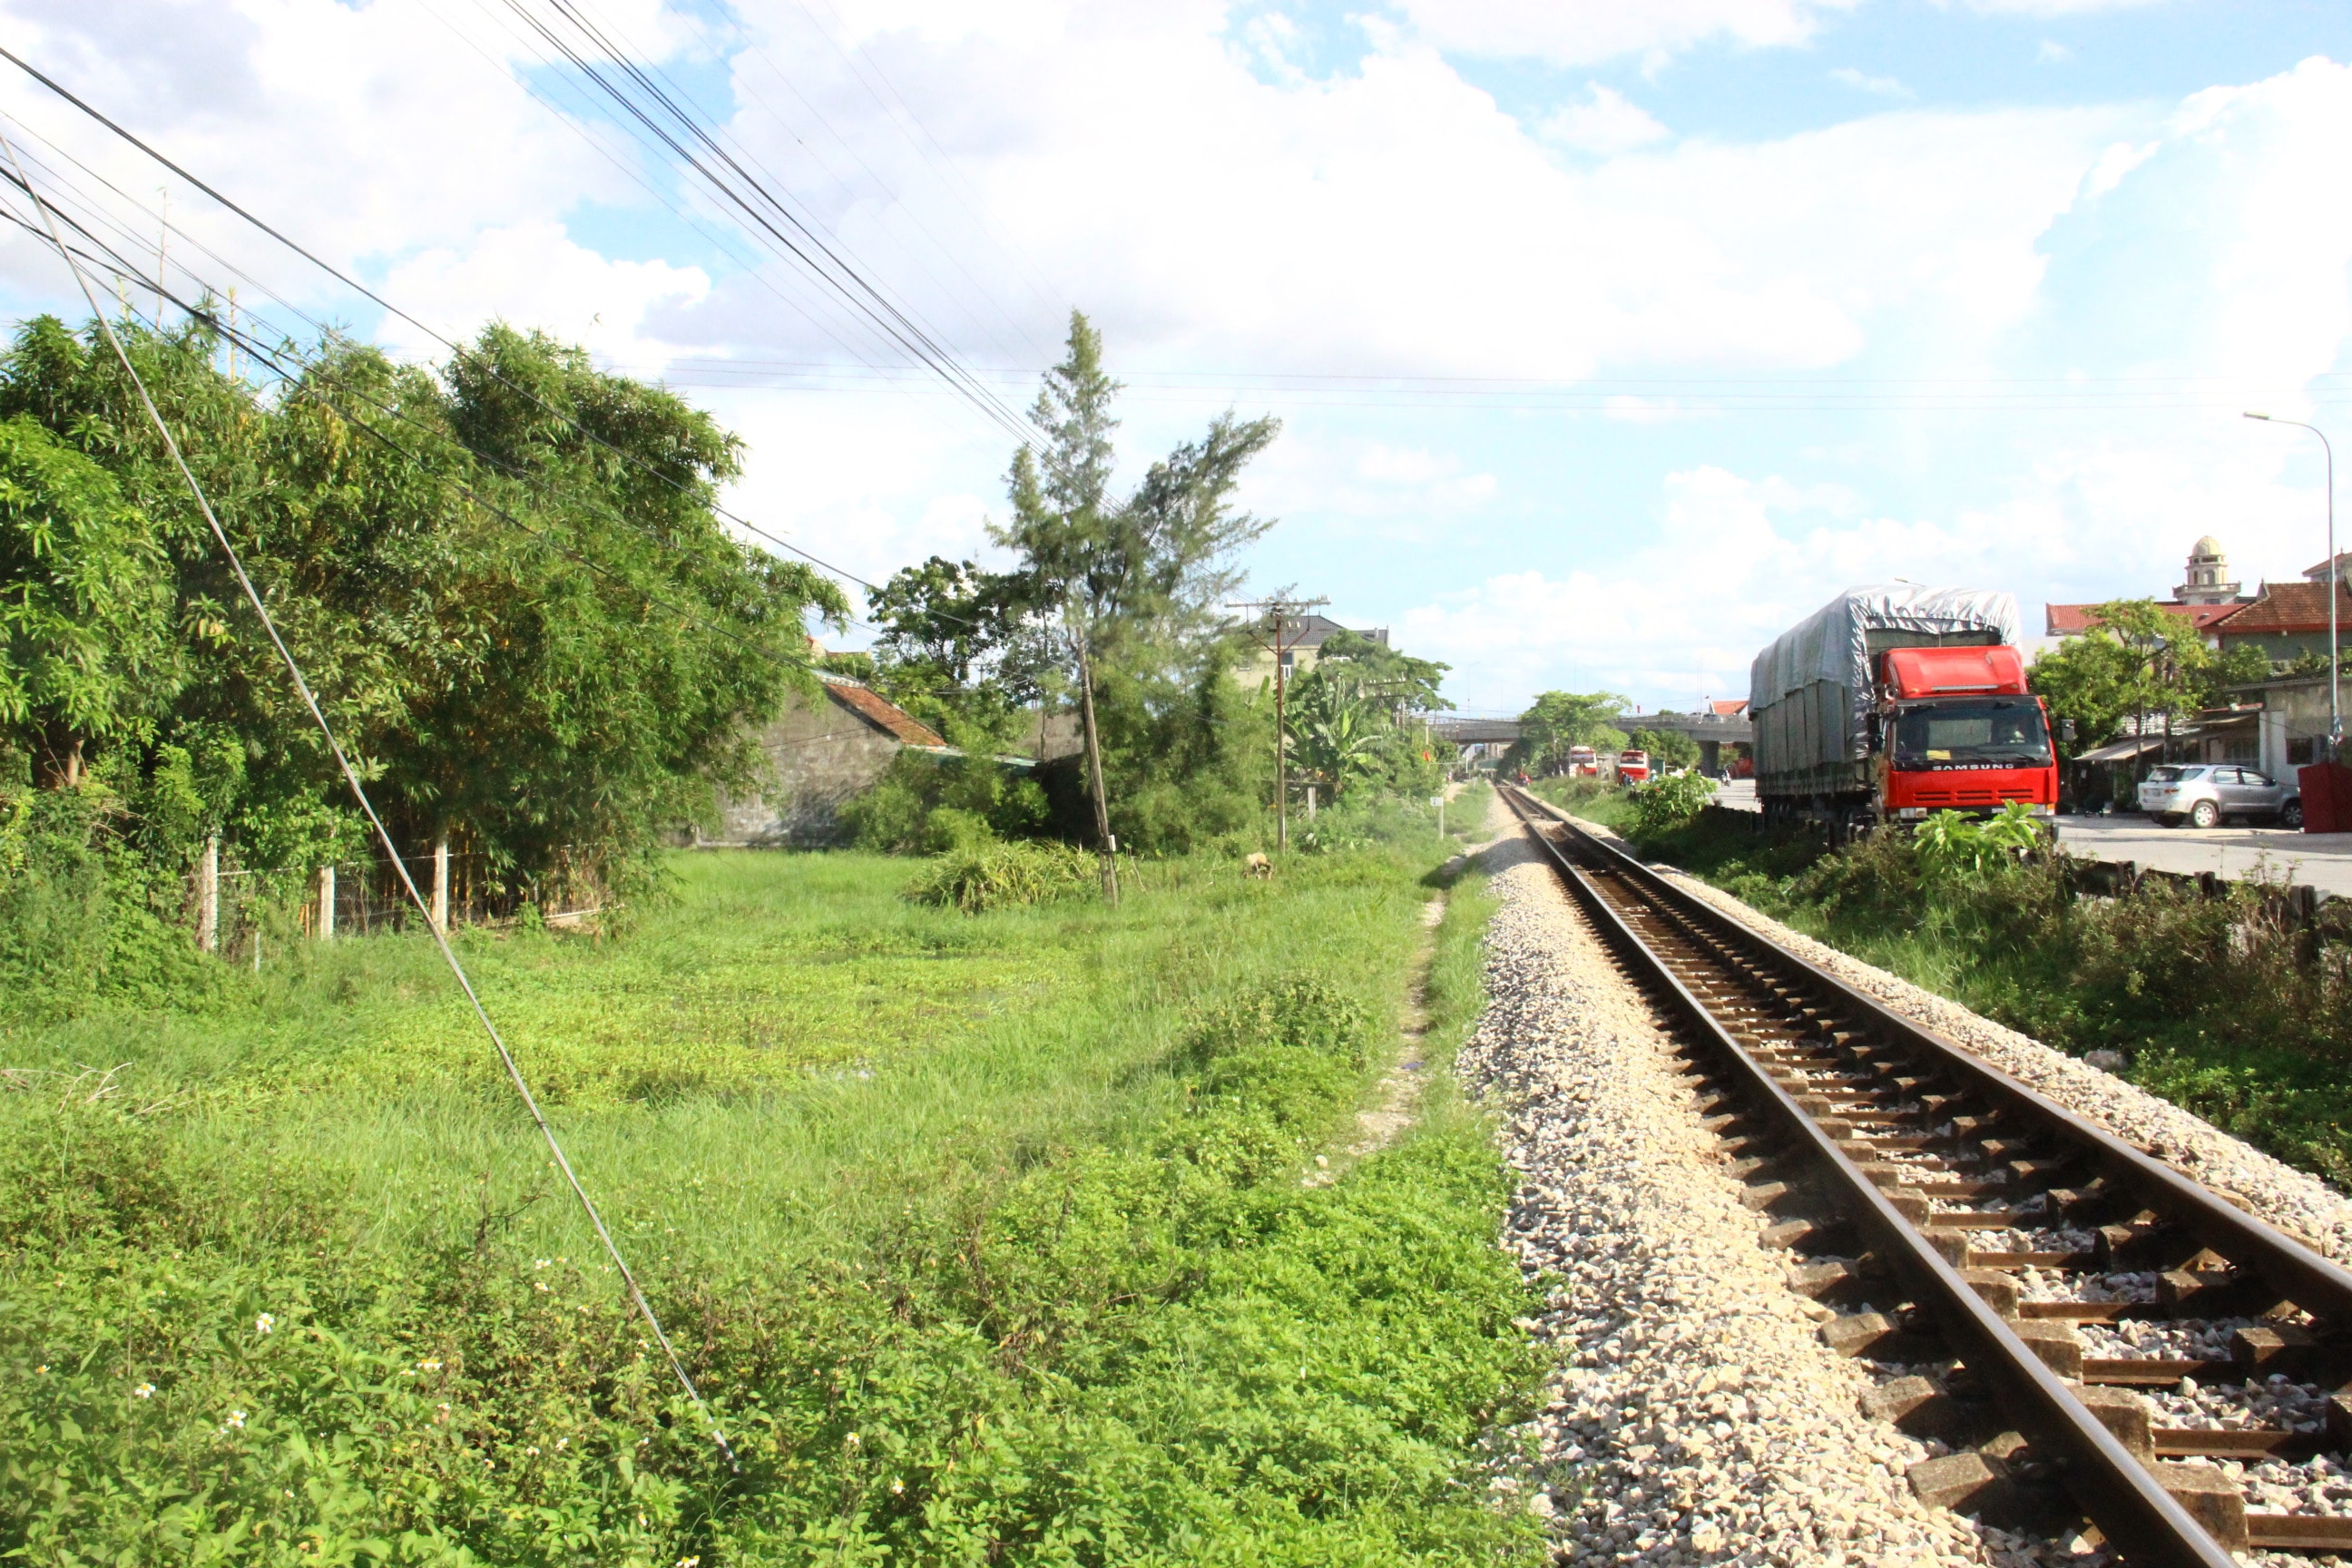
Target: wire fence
[363, 896]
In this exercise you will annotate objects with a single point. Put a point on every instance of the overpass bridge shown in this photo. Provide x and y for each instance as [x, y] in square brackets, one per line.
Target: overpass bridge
[1712, 732]
[1464, 731]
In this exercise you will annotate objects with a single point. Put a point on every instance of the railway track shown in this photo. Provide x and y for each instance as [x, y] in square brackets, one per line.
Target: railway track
[2089, 1331]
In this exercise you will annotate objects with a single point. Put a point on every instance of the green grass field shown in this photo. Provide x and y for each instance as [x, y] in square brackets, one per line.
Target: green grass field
[985, 1234]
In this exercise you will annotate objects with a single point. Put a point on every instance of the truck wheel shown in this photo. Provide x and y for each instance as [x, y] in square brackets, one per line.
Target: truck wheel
[2204, 813]
[2291, 815]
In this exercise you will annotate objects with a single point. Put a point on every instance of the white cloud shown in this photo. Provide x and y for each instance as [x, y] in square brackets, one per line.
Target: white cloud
[2054, 7]
[1881, 86]
[2052, 53]
[534, 274]
[1729, 563]
[1582, 32]
[1396, 219]
[364, 131]
[1605, 124]
[1354, 489]
[869, 483]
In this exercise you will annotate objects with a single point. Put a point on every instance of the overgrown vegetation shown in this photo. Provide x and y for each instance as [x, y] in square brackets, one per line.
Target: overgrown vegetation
[2136, 663]
[985, 1234]
[504, 577]
[2218, 1004]
[983, 874]
[1113, 616]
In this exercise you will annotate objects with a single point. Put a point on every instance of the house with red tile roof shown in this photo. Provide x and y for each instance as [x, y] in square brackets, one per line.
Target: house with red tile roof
[2287, 620]
[2204, 600]
[822, 750]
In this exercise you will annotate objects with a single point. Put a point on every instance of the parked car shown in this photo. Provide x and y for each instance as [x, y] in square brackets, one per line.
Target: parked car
[2203, 794]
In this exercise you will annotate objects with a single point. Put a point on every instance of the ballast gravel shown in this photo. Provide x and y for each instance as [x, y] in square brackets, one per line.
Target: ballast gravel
[1693, 1415]
[2299, 1203]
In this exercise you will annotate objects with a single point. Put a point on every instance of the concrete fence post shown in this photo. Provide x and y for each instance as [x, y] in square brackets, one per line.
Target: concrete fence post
[327, 902]
[441, 884]
[208, 897]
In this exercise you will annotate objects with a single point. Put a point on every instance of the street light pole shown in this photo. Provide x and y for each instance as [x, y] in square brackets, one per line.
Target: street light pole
[2334, 681]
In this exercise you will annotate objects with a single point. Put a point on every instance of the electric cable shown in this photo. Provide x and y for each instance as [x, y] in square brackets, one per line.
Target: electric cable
[857, 291]
[384, 834]
[357, 286]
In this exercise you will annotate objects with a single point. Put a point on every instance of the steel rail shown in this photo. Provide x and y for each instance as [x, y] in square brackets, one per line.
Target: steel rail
[2299, 1274]
[2136, 1515]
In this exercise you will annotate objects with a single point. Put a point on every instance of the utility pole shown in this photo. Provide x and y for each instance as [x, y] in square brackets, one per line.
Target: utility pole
[1284, 627]
[2334, 679]
[1107, 845]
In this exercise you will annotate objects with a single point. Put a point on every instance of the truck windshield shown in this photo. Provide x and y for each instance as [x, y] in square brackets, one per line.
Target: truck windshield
[1996, 732]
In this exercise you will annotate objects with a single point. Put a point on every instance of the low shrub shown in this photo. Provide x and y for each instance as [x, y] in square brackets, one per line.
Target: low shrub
[986, 874]
[1664, 804]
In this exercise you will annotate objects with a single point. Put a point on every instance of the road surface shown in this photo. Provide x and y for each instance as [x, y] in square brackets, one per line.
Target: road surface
[2323, 861]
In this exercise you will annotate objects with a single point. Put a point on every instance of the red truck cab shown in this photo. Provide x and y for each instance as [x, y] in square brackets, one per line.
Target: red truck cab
[1959, 731]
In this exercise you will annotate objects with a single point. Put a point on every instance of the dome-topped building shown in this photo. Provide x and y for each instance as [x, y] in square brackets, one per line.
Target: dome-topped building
[2209, 573]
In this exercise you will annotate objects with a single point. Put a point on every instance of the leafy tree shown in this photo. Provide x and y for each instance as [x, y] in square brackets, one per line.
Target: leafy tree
[1668, 748]
[1559, 720]
[1348, 717]
[2135, 662]
[86, 651]
[532, 625]
[1132, 587]
[1375, 671]
[961, 649]
[1336, 738]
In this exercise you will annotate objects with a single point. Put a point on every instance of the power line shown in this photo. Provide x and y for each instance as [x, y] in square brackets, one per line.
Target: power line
[384, 834]
[810, 249]
[361, 288]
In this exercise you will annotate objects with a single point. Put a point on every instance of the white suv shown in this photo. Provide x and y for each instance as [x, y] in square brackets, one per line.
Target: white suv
[2203, 794]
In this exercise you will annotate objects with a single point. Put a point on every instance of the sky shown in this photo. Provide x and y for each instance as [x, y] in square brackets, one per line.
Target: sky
[1607, 339]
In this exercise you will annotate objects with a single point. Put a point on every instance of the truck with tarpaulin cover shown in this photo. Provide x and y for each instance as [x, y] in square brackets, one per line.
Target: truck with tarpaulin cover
[1889, 703]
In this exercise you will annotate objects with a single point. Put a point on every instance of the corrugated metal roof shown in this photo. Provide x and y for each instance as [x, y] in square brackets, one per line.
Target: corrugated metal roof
[881, 713]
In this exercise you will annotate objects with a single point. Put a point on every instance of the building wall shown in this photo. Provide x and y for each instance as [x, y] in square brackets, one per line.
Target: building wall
[2284, 647]
[819, 754]
[2293, 727]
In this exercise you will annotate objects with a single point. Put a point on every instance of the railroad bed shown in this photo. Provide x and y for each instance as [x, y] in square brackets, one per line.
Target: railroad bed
[2072, 1328]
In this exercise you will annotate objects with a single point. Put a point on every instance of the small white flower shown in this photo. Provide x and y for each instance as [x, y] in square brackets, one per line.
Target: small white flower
[538, 1263]
[563, 1442]
[430, 1364]
[265, 1324]
[897, 1488]
[235, 1421]
[851, 1440]
[538, 1284]
[532, 1449]
[145, 1390]
[688, 1562]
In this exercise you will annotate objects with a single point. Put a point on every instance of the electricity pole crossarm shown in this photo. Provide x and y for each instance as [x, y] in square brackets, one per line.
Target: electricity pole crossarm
[1282, 627]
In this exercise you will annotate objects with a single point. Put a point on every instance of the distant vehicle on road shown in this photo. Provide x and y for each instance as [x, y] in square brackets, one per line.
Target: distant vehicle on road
[1583, 762]
[1891, 703]
[2203, 794]
[1632, 767]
